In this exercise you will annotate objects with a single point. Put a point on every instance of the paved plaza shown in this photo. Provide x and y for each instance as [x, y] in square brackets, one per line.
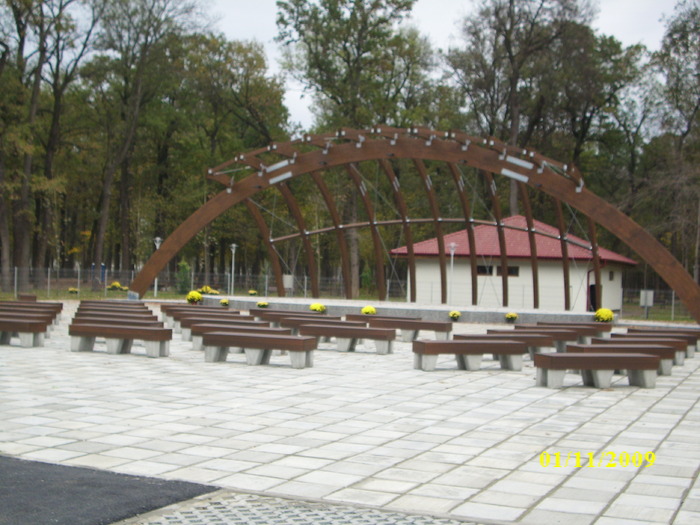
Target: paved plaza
[360, 437]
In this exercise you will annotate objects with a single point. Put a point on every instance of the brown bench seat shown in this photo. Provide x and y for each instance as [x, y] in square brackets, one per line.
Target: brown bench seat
[364, 317]
[120, 338]
[679, 345]
[121, 314]
[171, 312]
[535, 341]
[600, 328]
[596, 368]
[274, 316]
[469, 353]
[258, 347]
[184, 324]
[560, 336]
[689, 336]
[198, 330]
[31, 331]
[346, 335]
[410, 328]
[179, 316]
[666, 354]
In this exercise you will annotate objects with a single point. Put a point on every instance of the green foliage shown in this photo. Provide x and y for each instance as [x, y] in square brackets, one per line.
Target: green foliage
[183, 277]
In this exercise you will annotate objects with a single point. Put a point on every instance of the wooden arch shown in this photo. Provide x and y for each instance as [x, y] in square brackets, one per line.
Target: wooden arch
[347, 148]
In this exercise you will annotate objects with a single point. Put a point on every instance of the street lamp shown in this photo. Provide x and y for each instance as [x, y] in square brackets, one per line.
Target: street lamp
[453, 248]
[157, 242]
[233, 265]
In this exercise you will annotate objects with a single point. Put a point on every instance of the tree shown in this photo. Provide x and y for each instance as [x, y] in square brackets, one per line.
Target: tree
[679, 63]
[504, 39]
[131, 32]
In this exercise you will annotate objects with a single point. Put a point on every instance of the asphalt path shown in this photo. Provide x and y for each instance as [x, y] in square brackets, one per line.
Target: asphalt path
[34, 493]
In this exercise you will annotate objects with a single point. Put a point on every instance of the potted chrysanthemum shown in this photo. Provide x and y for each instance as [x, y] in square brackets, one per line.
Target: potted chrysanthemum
[317, 307]
[604, 315]
[194, 297]
[455, 315]
[368, 310]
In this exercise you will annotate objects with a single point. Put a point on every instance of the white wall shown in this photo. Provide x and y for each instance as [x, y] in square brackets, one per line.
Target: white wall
[551, 282]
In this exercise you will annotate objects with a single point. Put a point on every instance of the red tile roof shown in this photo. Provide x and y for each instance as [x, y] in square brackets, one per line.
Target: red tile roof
[517, 243]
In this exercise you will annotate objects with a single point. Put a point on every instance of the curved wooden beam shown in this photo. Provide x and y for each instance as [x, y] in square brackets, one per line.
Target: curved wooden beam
[338, 226]
[539, 172]
[271, 253]
[435, 211]
[564, 254]
[356, 177]
[525, 199]
[593, 236]
[408, 233]
[306, 243]
[491, 184]
[466, 210]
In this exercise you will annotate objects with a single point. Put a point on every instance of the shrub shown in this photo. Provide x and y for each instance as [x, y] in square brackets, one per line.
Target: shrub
[369, 310]
[182, 277]
[604, 315]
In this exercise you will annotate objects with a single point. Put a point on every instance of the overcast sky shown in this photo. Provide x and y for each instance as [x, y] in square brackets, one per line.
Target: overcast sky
[630, 21]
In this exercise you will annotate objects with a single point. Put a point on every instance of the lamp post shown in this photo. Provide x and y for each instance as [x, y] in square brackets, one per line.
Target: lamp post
[453, 248]
[233, 265]
[157, 242]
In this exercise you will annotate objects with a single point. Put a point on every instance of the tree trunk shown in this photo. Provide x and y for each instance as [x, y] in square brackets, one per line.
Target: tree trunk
[696, 269]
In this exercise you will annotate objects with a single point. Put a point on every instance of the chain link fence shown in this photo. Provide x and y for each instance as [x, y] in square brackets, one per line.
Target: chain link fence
[48, 283]
[53, 283]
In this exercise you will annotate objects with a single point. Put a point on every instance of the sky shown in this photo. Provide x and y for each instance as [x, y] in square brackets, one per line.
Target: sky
[630, 21]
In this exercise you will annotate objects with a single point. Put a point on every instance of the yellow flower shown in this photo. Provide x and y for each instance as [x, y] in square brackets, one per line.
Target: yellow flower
[194, 297]
[317, 307]
[455, 314]
[369, 310]
[511, 316]
[262, 304]
[604, 315]
[223, 302]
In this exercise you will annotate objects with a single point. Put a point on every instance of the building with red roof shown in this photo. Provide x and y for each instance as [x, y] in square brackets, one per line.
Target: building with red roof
[520, 283]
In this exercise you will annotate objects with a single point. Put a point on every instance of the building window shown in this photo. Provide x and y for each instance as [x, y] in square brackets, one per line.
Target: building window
[612, 276]
[513, 271]
[484, 270]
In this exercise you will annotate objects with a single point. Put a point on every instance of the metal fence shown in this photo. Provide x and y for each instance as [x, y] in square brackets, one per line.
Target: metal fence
[54, 282]
[50, 282]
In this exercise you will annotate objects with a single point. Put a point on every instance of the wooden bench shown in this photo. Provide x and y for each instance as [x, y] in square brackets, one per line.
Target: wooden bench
[596, 368]
[175, 317]
[666, 354]
[258, 347]
[27, 297]
[469, 353]
[583, 333]
[149, 316]
[535, 342]
[31, 332]
[410, 328]
[679, 345]
[295, 322]
[347, 335]
[274, 316]
[364, 317]
[560, 336]
[198, 330]
[120, 338]
[689, 336]
[171, 312]
[600, 328]
[116, 321]
[185, 323]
